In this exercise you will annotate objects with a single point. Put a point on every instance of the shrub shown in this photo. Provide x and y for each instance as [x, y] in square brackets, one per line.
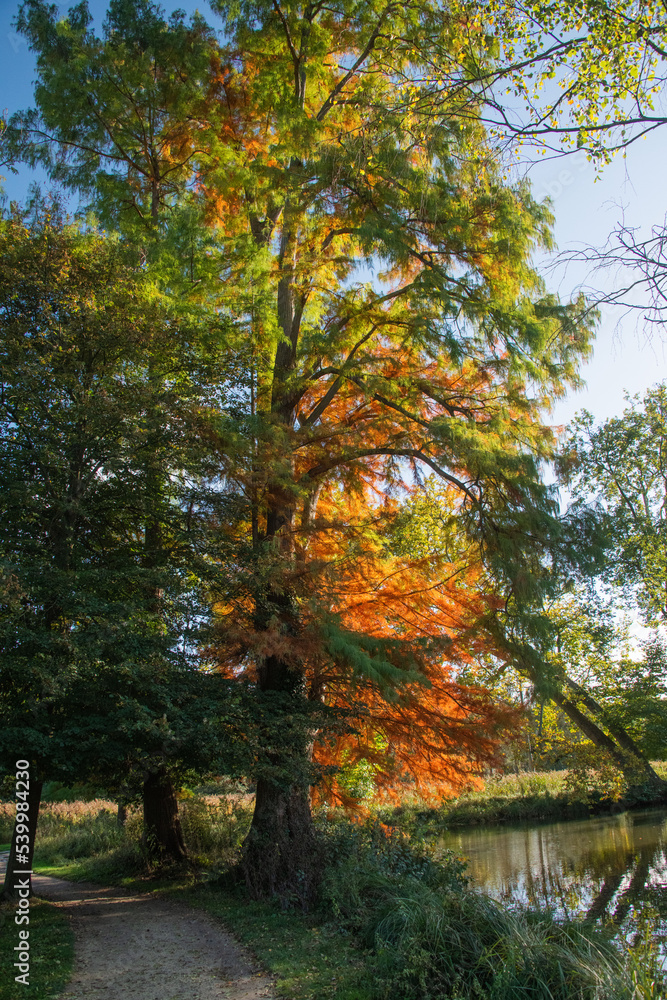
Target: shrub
[594, 776]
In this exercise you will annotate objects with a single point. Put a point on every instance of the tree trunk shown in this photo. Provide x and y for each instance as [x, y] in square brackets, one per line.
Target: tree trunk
[590, 729]
[279, 852]
[121, 815]
[163, 835]
[623, 739]
[18, 872]
[631, 765]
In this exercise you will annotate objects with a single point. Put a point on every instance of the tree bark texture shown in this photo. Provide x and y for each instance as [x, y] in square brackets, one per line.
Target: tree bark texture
[163, 835]
[14, 866]
[280, 851]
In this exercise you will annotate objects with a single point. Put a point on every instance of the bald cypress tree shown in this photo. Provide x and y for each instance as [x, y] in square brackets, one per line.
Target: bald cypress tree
[375, 262]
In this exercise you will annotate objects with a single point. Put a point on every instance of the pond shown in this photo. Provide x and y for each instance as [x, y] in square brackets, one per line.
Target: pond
[611, 868]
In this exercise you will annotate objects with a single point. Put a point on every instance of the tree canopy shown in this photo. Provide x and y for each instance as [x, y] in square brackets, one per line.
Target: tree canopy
[321, 182]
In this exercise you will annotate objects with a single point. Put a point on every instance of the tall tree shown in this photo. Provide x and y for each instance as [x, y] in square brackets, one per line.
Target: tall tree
[361, 384]
[82, 332]
[380, 269]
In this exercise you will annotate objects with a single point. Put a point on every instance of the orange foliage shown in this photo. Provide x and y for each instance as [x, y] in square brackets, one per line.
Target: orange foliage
[356, 390]
[434, 734]
[422, 730]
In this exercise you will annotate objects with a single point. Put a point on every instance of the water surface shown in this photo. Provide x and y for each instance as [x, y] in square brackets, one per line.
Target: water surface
[610, 868]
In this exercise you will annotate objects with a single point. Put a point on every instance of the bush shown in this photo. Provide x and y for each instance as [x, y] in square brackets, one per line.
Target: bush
[594, 776]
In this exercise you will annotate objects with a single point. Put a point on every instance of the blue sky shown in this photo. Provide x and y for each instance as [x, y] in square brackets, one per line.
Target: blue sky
[586, 209]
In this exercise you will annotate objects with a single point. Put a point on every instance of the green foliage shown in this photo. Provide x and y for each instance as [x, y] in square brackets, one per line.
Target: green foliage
[590, 648]
[593, 775]
[133, 97]
[581, 75]
[432, 936]
[620, 467]
[214, 827]
[372, 852]
[102, 601]
[634, 695]
[357, 778]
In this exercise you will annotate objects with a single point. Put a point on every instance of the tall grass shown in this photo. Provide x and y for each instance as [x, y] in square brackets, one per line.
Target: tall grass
[434, 937]
[88, 832]
[546, 795]
[7, 814]
[214, 826]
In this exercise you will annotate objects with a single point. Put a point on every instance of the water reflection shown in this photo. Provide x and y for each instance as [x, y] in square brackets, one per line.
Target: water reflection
[605, 868]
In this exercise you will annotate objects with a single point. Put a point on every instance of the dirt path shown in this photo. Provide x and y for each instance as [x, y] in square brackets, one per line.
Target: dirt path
[139, 947]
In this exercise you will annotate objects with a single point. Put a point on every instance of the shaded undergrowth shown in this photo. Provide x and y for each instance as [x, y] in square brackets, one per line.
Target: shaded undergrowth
[85, 840]
[431, 935]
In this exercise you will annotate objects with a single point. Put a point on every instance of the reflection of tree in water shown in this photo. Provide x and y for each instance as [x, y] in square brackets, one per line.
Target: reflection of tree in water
[633, 877]
[607, 891]
[637, 888]
[609, 869]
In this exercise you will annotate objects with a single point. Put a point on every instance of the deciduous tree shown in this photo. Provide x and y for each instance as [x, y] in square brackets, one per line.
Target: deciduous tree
[380, 268]
[82, 332]
[621, 466]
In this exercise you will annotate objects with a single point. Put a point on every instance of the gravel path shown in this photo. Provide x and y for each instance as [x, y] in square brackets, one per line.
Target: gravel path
[139, 947]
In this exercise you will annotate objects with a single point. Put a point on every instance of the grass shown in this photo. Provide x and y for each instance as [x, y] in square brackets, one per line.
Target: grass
[51, 952]
[507, 799]
[393, 922]
[537, 796]
[308, 956]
